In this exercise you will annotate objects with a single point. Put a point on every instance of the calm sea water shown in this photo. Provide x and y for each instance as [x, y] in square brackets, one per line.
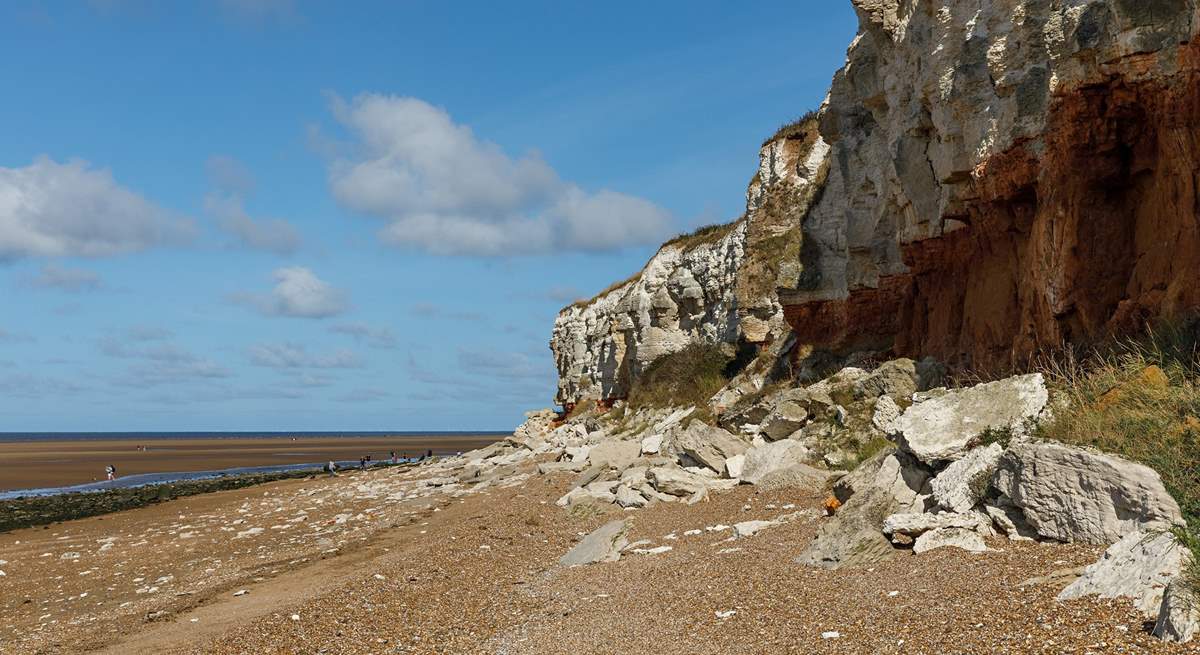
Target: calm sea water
[146, 436]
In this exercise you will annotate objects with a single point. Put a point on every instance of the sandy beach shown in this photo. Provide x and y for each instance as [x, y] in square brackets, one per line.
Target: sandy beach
[406, 560]
[33, 464]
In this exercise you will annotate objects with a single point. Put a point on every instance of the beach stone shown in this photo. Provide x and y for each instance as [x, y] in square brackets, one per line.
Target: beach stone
[750, 528]
[652, 444]
[734, 466]
[603, 545]
[1179, 615]
[675, 481]
[799, 477]
[1075, 495]
[709, 445]
[1139, 566]
[627, 497]
[1010, 521]
[962, 538]
[768, 457]
[784, 419]
[964, 482]
[944, 427]
[896, 378]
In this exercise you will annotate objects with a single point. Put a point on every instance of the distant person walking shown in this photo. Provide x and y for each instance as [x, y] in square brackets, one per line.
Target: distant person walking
[393, 454]
[111, 472]
[331, 467]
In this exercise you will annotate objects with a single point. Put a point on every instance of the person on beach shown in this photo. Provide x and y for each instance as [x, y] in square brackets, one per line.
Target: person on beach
[331, 469]
[111, 472]
[393, 454]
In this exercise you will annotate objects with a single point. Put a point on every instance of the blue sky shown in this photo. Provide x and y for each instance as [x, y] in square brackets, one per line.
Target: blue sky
[274, 215]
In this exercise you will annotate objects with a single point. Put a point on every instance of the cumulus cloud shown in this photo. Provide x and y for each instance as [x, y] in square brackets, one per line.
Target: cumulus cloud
[72, 280]
[374, 336]
[446, 191]
[295, 355]
[232, 182]
[298, 293]
[73, 209]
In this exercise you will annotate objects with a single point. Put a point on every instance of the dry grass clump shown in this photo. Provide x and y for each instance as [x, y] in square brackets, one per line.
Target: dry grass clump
[689, 377]
[1140, 398]
[703, 235]
[803, 127]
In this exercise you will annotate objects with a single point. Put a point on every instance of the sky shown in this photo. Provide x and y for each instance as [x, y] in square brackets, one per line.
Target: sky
[288, 215]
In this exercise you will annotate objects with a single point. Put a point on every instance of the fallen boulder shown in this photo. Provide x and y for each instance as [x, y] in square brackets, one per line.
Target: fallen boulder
[913, 524]
[1179, 616]
[1139, 566]
[799, 477]
[709, 445]
[896, 378]
[769, 457]
[945, 426]
[1075, 495]
[678, 482]
[613, 453]
[962, 538]
[963, 483]
[785, 418]
[603, 545]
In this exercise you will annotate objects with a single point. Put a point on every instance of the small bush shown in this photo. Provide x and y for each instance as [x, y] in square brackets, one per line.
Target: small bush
[691, 376]
[1140, 398]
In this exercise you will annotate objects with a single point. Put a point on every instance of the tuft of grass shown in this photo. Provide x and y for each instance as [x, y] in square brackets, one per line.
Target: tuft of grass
[1139, 398]
[689, 377]
[800, 128]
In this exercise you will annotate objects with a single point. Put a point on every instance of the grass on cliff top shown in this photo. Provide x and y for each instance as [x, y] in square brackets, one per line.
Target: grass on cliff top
[688, 241]
[1140, 398]
[691, 376]
[802, 127]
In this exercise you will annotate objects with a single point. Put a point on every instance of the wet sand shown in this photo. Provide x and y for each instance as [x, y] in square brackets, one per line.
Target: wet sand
[34, 464]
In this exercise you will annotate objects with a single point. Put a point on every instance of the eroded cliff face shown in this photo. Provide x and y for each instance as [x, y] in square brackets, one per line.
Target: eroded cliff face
[1006, 175]
[684, 295]
[986, 178]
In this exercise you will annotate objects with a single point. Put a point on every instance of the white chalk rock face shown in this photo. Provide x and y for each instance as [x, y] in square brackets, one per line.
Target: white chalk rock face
[1075, 495]
[1179, 616]
[1139, 567]
[946, 426]
[963, 483]
[684, 295]
[767, 458]
[961, 538]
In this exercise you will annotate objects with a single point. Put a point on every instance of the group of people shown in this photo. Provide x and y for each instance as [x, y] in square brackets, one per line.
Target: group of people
[364, 462]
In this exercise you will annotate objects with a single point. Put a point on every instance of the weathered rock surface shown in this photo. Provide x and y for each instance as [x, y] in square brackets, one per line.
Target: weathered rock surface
[1179, 616]
[886, 484]
[615, 454]
[709, 445]
[1072, 494]
[963, 483]
[768, 458]
[946, 426]
[1139, 567]
[603, 545]
[914, 524]
[962, 538]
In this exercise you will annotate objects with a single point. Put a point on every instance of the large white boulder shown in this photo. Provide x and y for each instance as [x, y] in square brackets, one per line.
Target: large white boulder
[963, 483]
[709, 445]
[602, 545]
[913, 524]
[962, 538]
[766, 458]
[614, 453]
[1075, 495]
[1179, 616]
[945, 426]
[678, 482]
[1139, 566]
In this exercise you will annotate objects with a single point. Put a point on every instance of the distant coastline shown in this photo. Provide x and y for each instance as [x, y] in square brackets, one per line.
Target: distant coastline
[150, 436]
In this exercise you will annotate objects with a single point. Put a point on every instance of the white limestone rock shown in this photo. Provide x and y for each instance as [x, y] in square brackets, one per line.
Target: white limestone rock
[1139, 567]
[963, 483]
[1075, 495]
[764, 459]
[708, 445]
[1179, 616]
[627, 497]
[614, 453]
[652, 444]
[946, 426]
[602, 545]
[963, 538]
[734, 466]
[914, 524]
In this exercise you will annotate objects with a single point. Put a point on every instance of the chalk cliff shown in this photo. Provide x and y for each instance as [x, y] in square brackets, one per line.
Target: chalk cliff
[986, 178]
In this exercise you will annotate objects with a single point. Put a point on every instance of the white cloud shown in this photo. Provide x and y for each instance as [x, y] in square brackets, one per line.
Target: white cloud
[157, 360]
[73, 280]
[374, 336]
[444, 190]
[298, 293]
[232, 183]
[72, 209]
[295, 355]
[271, 234]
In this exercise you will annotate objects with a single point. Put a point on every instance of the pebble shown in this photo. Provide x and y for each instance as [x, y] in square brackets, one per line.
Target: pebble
[295, 617]
[240, 592]
[726, 614]
[832, 634]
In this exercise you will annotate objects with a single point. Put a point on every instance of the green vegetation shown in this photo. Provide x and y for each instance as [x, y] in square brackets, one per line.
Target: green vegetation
[803, 127]
[688, 377]
[1140, 399]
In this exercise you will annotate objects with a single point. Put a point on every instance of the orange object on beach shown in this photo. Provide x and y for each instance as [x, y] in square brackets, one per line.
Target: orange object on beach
[831, 505]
